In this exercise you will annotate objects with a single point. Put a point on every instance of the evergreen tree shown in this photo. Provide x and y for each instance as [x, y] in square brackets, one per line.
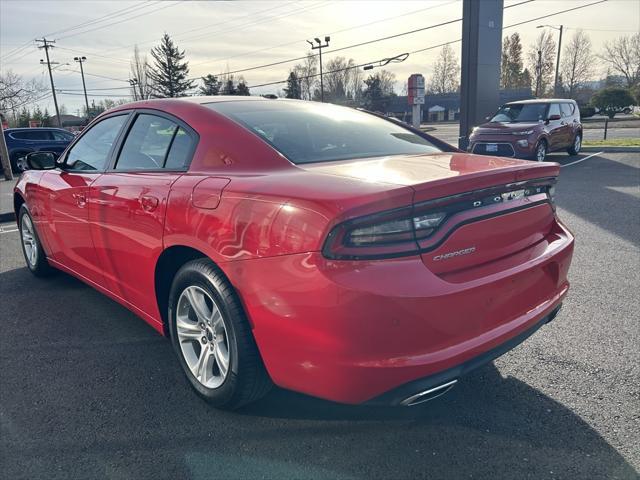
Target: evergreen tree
[229, 87]
[242, 89]
[512, 74]
[372, 95]
[23, 117]
[210, 85]
[169, 71]
[293, 90]
[37, 115]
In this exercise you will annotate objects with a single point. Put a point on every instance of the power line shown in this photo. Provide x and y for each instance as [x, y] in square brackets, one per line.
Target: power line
[100, 27]
[388, 37]
[95, 75]
[62, 92]
[108, 16]
[330, 33]
[445, 43]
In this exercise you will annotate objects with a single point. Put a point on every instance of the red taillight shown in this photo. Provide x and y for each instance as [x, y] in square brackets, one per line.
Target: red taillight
[388, 234]
[399, 232]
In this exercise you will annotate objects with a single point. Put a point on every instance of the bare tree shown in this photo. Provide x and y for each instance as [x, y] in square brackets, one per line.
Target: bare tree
[577, 62]
[446, 72]
[342, 80]
[387, 82]
[306, 72]
[623, 56]
[543, 73]
[16, 92]
[141, 88]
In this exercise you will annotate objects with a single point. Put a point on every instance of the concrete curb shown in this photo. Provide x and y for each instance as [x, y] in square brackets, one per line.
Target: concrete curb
[611, 149]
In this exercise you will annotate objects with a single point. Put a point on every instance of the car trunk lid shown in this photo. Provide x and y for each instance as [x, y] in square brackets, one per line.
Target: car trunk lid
[494, 206]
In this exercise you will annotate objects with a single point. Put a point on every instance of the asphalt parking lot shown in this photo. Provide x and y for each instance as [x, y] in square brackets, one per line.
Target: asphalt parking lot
[88, 390]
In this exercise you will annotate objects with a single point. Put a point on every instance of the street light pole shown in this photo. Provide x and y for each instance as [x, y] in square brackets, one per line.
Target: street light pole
[555, 80]
[81, 60]
[46, 44]
[319, 47]
[555, 83]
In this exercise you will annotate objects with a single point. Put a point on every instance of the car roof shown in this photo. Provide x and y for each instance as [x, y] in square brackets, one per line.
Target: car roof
[541, 100]
[22, 129]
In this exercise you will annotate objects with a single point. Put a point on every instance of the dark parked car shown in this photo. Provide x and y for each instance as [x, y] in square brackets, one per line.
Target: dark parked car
[21, 141]
[530, 129]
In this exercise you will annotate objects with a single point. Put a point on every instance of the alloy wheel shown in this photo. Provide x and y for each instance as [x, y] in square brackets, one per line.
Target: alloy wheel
[29, 241]
[202, 336]
[541, 152]
[577, 144]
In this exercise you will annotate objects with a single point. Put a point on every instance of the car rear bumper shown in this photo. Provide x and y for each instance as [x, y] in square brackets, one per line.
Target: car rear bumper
[357, 331]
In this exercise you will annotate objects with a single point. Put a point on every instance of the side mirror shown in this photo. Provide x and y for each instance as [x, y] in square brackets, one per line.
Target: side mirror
[41, 160]
[553, 117]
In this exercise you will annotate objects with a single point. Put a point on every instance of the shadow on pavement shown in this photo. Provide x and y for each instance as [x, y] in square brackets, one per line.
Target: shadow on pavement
[90, 391]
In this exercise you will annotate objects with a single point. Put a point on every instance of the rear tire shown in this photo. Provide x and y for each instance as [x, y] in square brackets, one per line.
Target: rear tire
[212, 337]
[577, 145]
[32, 250]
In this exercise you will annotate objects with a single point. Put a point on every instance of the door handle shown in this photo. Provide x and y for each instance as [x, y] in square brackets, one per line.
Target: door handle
[149, 203]
[80, 198]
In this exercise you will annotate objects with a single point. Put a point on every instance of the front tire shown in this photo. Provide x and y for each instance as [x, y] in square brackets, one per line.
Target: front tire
[212, 337]
[540, 152]
[32, 249]
[577, 145]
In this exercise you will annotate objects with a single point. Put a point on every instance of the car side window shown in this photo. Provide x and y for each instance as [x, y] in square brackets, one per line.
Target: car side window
[178, 157]
[91, 152]
[554, 109]
[61, 136]
[35, 134]
[147, 143]
[567, 109]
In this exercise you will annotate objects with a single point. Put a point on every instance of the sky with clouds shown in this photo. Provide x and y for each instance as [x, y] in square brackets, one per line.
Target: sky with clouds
[231, 35]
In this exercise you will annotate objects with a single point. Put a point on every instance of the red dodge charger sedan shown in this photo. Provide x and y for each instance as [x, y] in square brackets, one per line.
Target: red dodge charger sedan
[319, 248]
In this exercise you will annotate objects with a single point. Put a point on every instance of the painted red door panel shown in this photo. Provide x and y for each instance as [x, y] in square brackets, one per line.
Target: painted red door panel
[68, 233]
[127, 216]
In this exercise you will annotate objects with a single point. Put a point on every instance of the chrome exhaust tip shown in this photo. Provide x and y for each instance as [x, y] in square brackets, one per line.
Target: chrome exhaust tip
[427, 395]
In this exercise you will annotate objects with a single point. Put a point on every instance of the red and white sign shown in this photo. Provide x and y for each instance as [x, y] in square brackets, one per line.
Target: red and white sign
[416, 89]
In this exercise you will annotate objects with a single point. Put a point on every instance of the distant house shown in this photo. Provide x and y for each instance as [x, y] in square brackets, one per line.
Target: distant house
[446, 107]
[67, 121]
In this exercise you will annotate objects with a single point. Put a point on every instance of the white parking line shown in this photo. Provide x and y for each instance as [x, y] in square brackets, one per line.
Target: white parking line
[4, 230]
[581, 160]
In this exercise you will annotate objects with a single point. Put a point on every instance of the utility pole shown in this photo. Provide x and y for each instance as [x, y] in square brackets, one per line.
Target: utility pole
[539, 73]
[555, 81]
[47, 44]
[319, 47]
[81, 60]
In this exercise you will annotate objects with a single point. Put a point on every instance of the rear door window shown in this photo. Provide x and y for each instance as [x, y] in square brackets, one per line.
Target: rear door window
[567, 109]
[61, 136]
[180, 152]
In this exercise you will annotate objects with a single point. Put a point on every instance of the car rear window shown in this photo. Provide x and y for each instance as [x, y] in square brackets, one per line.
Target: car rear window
[308, 132]
[521, 112]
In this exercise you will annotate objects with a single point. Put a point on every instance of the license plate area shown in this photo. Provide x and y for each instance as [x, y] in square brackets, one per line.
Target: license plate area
[491, 147]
